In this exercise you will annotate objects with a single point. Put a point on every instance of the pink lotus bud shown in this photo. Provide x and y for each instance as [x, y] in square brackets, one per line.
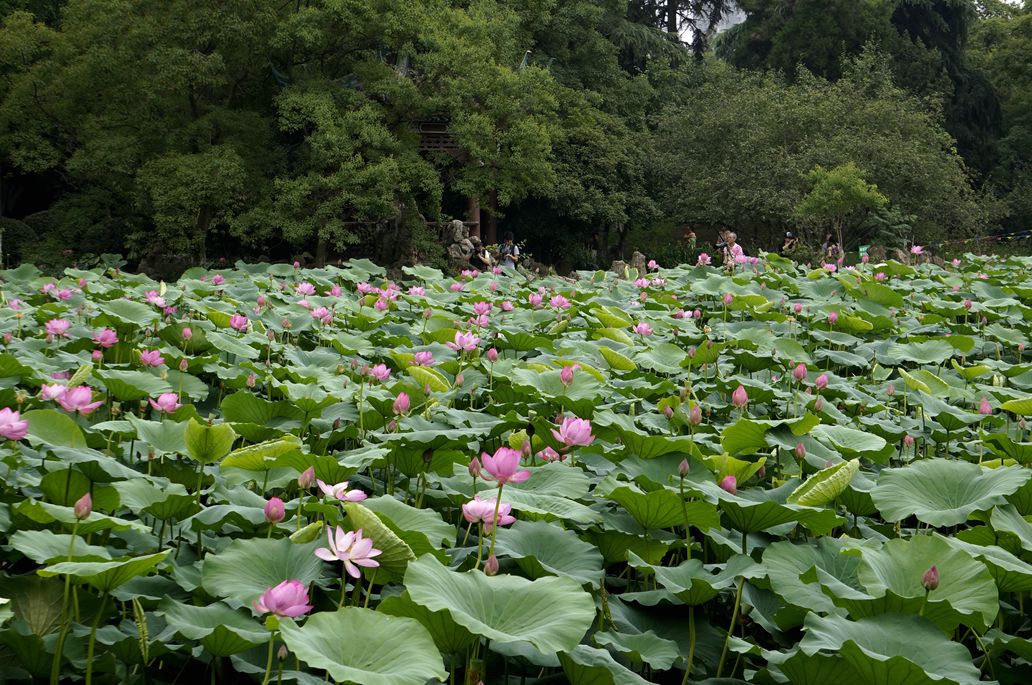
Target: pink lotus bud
[865, 259]
[728, 299]
[800, 451]
[459, 380]
[187, 333]
[492, 355]
[822, 381]
[566, 375]
[526, 449]
[401, 403]
[697, 314]
[1022, 423]
[275, 511]
[967, 304]
[984, 408]
[668, 411]
[682, 468]
[695, 415]
[282, 653]
[491, 566]
[475, 467]
[818, 404]
[96, 355]
[83, 507]
[891, 390]
[297, 264]
[930, 579]
[908, 440]
[797, 307]
[799, 372]
[251, 380]
[184, 365]
[729, 484]
[307, 478]
[832, 318]
[1021, 347]
[740, 397]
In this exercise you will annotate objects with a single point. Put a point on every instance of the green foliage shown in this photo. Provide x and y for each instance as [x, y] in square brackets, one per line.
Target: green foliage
[838, 196]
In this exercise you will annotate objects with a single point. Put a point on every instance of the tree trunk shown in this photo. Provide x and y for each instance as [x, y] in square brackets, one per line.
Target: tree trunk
[204, 217]
[671, 16]
[491, 237]
[321, 251]
[473, 216]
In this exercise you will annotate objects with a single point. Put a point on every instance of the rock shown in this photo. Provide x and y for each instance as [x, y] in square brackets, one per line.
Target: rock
[466, 245]
[619, 267]
[639, 262]
[456, 232]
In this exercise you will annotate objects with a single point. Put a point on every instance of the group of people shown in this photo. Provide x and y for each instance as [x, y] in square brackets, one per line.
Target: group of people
[831, 251]
[507, 255]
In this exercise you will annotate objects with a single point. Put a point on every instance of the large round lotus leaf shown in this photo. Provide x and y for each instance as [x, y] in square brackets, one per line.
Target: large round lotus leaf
[891, 577]
[247, 568]
[551, 613]
[220, 629]
[586, 665]
[943, 492]
[364, 647]
[106, 575]
[888, 649]
[546, 549]
[448, 635]
[787, 564]
[693, 583]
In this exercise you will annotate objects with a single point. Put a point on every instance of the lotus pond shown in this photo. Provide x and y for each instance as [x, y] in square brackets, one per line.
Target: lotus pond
[270, 474]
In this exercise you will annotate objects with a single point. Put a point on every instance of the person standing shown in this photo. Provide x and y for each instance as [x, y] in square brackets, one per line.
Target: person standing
[508, 252]
[733, 253]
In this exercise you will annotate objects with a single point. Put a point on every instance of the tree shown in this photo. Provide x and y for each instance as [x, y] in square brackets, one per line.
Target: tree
[839, 197]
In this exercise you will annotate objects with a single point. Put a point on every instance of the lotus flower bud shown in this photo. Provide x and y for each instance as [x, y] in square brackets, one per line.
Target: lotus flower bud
[275, 511]
[526, 449]
[566, 375]
[799, 372]
[908, 440]
[97, 355]
[740, 397]
[1022, 423]
[401, 403]
[728, 299]
[83, 507]
[428, 455]
[695, 415]
[459, 380]
[474, 467]
[251, 380]
[984, 408]
[729, 484]
[797, 307]
[392, 425]
[682, 468]
[822, 381]
[800, 451]
[891, 390]
[282, 653]
[832, 318]
[187, 333]
[307, 478]
[492, 355]
[697, 314]
[668, 411]
[491, 566]
[818, 404]
[1021, 347]
[930, 579]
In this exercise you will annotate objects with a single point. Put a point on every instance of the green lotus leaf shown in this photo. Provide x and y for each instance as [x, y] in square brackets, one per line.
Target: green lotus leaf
[261, 457]
[221, 630]
[366, 647]
[586, 665]
[448, 635]
[245, 569]
[208, 443]
[826, 485]
[544, 548]
[106, 575]
[50, 427]
[648, 648]
[692, 583]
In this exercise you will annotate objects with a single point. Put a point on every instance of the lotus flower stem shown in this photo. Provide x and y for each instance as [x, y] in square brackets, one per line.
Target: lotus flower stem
[494, 521]
[55, 668]
[731, 627]
[369, 590]
[268, 660]
[93, 639]
[691, 644]
[343, 586]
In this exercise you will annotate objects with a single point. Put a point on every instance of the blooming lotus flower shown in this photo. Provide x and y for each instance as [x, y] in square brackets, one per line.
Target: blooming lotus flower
[506, 306]
[481, 308]
[166, 403]
[381, 304]
[154, 298]
[559, 302]
[573, 432]
[275, 510]
[52, 391]
[483, 511]
[740, 397]
[105, 337]
[457, 287]
[822, 381]
[704, 259]
[534, 299]
[12, 426]
[916, 250]
[729, 484]
[83, 507]
[351, 548]
[642, 282]
[78, 399]
[365, 288]
[799, 372]
[239, 322]
[307, 477]
[642, 329]
[322, 314]
[417, 291]
[930, 579]
[218, 279]
[955, 262]
[566, 375]
[336, 290]
[984, 408]
[832, 318]
[424, 358]
[289, 599]
[880, 276]
[652, 265]
[340, 491]
[480, 321]
[305, 288]
[467, 342]
[830, 268]
[380, 372]
[401, 403]
[151, 358]
[503, 467]
[57, 328]
[549, 454]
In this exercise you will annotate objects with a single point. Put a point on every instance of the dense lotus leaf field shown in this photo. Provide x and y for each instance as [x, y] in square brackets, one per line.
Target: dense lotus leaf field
[271, 474]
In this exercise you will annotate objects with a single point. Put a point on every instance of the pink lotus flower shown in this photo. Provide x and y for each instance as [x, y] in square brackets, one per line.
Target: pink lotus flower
[307, 478]
[695, 415]
[83, 507]
[381, 305]
[955, 262]
[417, 291]
[365, 288]
[822, 381]
[728, 299]
[401, 403]
[154, 298]
[52, 391]
[322, 315]
[481, 308]
[151, 358]
[483, 511]
[305, 289]
[492, 355]
[275, 510]
[800, 451]
[380, 372]
[467, 342]
[12, 427]
[574, 432]
[830, 268]
[642, 283]
[187, 333]
[865, 259]
[218, 279]
[534, 299]
[166, 403]
[566, 375]
[641, 328]
[424, 358]
[289, 599]
[503, 467]
[105, 337]
[239, 322]
[984, 408]
[506, 306]
[930, 579]
[908, 440]
[549, 454]
[652, 265]
[740, 397]
[967, 304]
[704, 259]
[96, 355]
[891, 390]
[351, 548]
[729, 484]
[797, 307]
[340, 491]
[832, 318]
[880, 276]
[457, 287]
[57, 328]
[697, 314]
[799, 372]
[916, 250]
[559, 302]
[479, 321]
[78, 399]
